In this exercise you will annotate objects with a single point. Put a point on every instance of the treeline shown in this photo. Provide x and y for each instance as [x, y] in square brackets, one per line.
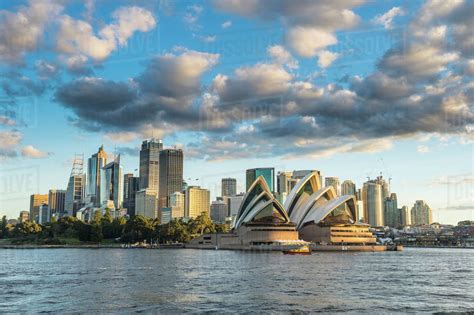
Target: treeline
[135, 229]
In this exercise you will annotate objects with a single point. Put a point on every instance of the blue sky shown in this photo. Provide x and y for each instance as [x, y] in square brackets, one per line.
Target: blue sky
[351, 88]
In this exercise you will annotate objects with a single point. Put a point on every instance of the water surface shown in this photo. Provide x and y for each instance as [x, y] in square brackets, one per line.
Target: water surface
[177, 280]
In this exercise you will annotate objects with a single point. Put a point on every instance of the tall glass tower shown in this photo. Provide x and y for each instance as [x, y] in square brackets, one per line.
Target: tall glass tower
[268, 173]
[94, 168]
[111, 186]
[171, 175]
[150, 164]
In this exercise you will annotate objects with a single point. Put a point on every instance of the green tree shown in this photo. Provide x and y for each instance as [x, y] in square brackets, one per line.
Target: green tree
[138, 229]
[201, 224]
[3, 228]
[26, 228]
[96, 235]
[97, 216]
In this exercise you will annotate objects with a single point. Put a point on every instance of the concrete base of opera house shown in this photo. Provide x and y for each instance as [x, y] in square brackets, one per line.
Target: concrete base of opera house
[249, 237]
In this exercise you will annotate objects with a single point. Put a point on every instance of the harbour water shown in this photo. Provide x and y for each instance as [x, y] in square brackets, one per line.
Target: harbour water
[177, 280]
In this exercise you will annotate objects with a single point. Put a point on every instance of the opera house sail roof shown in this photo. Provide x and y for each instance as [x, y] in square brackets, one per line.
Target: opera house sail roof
[259, 206]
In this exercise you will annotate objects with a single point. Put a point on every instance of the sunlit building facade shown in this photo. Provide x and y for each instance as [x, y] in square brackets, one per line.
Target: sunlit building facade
[421, 213]
[111, 184]
[94, 168]
[197, 201]
[268, 174]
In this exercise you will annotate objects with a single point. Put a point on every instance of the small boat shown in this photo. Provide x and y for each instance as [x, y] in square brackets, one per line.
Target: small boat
[303, 250]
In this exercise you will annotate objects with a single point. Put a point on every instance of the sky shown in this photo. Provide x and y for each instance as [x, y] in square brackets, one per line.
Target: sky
[350, 88]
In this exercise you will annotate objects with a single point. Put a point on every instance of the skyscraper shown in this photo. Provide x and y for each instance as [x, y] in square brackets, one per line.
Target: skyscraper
[373, 203]
[197, 201]
[94, 168]
[285, 182]
[131, 185]
[348, 188]
[75, 191]
[36, 201]
[146, 203]
[391, 213]
[405, 216]
[171, 174]
[334, 182]
[229, 187]
[177, 202]
[150, 164]
[56, 202]
[267, 172]
[421, 213]
[219, 211]
[111, 184]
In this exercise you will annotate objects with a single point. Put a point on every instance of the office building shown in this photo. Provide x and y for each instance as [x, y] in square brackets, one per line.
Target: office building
[373, 203]
[391, 212]
[24, 216]
[44, 214]
[171, 174]
[348, 188]
[405, 216]
[229, 187]
[36, 201]
[150, 164]
[56, 202]
[421, 213]
[146, 203]
[219, 211]
[111, 184]
[197, 201]
[268, 174]
[131, 185]
[334, 182]
[177, 204]
[94, 168]
[76, 187]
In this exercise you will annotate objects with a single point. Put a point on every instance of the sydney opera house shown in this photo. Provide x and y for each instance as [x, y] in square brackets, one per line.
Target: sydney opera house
[311, 213]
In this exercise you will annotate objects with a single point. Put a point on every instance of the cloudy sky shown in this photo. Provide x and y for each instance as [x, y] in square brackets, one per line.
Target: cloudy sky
[352, 88]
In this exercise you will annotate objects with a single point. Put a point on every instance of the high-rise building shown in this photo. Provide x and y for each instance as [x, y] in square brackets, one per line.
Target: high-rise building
[150, 164]
[111, 184]
[391, 213]
[334, 182]
[177, 202]
[56, 202]
[197, 201]
[285, 182]
[219, 211]
[229, 187]
[75, 192]
[268, 174]
[373, 203]
[24, 216]
[131, 185]
[171, 174]
[94, 167]
[233, 204]
[146, 203]
[348, 188]
[44, 214]
[300, 174]
[36, 201]
[405, 216]
[421, 213]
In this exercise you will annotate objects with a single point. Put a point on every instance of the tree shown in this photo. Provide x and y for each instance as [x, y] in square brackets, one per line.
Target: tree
[96, 233]
[138, 229]
[202, 223]
[97, 216]
[3, 228]
[26, 228]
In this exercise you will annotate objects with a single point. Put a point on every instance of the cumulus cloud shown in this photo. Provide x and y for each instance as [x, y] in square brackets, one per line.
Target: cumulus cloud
[422, 149]
[386, 19]
[77, 38]
[34, 153]
[22, 31]
[226, 24]
[282, 57]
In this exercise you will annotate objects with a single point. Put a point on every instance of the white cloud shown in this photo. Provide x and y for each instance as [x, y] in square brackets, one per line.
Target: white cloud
[77, 38]
[326, 58]
[206, 39]
[282, 57]
[9, 139]
[226, 24]
[5, 121]
[32, 152]
[21, 32]
[386, 19]
[422, 149]
[308, 41]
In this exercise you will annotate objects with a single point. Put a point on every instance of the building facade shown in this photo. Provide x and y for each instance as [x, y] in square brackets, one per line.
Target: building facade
[111, 184]
[348, 188]
[177, 202]
[334, 182]
[56, 202]
[421, 213]
[219, 211]
[146, 203]
[150, 164]
[405, 216]
[24, 216]
[391, 212]
[94, 168]
[171, 175]
[36, 201]
[268, 174]
[229, 187]
[75, 194]
[197, 201]
[131, 185]
[372, 203]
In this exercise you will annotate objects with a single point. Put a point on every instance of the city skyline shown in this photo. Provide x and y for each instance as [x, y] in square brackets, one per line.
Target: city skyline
[344, 107]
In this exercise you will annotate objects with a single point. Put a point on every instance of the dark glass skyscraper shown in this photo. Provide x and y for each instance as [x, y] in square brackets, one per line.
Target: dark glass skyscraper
[171, 174]
[131, 185]
[268, 173]
[229, 187]
[150, 164]
[94, 168]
